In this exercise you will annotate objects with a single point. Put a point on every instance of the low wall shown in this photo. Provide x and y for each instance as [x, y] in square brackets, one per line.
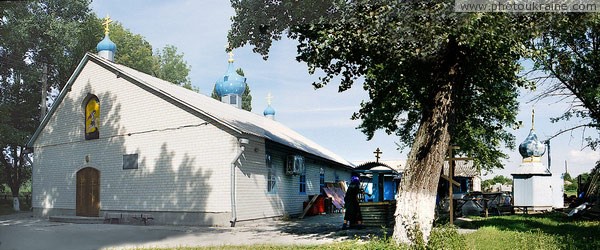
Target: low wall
[378, 214]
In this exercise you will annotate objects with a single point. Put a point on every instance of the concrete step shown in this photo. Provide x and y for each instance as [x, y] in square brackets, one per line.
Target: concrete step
[77, 219]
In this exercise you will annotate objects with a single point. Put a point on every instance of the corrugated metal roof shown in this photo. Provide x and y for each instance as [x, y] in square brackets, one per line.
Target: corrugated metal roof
[238, 119]
[463, 168]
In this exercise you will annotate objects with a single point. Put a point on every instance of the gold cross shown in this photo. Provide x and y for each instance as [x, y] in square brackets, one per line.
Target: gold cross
[377, 153]
[269, 98]
[106, 22]
[230, 56]
[229, 52]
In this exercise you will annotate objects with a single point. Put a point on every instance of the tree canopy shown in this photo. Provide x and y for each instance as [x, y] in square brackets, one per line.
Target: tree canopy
[434, 77]
[135, 52]
[41, 36]
[568, 51]
[501, 179]
[46, 39]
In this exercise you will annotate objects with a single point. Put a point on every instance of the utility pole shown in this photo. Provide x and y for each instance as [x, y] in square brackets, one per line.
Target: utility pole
[44, 90]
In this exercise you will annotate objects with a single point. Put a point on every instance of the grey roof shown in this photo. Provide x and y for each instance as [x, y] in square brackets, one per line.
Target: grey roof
[462, 168]
[239, 120]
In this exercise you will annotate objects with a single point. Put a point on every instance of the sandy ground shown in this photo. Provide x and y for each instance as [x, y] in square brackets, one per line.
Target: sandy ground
[22, 231]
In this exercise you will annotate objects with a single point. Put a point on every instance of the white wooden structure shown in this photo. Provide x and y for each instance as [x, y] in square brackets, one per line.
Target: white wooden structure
[534, 185]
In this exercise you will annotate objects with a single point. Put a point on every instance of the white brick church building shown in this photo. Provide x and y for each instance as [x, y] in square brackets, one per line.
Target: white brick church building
[121, 141]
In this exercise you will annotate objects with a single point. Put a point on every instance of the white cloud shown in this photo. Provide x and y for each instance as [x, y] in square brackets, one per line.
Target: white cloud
[583, 157]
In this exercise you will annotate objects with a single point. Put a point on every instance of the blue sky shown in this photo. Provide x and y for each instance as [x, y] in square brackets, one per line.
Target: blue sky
[199, 29]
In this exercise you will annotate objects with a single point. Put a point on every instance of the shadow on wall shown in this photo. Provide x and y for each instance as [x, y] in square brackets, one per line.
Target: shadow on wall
[65, 151]
[177, 183]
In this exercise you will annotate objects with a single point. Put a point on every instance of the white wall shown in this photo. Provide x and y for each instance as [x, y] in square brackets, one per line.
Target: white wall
[253, 199]
[180, 168]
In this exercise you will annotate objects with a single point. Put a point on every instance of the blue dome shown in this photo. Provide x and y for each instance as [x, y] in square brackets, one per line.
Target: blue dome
[231, 83]
[532, 146]
[269, 111]
[106, 44]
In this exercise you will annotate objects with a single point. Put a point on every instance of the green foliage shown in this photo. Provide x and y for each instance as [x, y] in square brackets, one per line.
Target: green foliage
[51, 34]
[568, 51]
[567, 177]
[499, 239]
[435, 77]
[486, 184]
[246, 97]
[542, 231]
[446, 237]
[170, 66]
[132, 49]
[404, 51]
[591, 181]
[135, 52]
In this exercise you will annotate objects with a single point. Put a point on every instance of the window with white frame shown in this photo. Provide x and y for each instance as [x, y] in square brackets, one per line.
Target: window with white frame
[271, 180]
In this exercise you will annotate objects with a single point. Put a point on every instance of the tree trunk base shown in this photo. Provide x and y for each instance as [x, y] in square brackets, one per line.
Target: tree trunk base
[16, 205]
[415, 213]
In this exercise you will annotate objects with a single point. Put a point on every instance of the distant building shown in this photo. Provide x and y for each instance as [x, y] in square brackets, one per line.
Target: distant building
[499, 187]
[466, 174]
[121, 141]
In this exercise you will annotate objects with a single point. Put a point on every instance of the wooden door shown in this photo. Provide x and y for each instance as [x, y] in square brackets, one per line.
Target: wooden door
[88, 192]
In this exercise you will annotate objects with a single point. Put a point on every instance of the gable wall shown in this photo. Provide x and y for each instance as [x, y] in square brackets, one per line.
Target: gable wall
[183, 161]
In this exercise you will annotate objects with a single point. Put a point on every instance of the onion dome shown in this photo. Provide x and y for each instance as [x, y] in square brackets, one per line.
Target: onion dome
[269, 111]
[106, 48]
[231, 83]
[106, 45]
[532, 146]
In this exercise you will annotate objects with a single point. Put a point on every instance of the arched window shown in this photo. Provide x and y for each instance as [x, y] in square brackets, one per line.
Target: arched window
[92, 117]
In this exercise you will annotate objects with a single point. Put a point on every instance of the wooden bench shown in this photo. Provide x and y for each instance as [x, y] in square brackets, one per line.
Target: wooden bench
[143, 217]
[118, 218]
[113, 218]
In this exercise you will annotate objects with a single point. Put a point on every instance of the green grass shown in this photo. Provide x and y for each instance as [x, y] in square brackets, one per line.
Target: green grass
[543, 231]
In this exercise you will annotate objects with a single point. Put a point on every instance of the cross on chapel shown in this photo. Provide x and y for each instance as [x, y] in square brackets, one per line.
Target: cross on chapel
[377, 153]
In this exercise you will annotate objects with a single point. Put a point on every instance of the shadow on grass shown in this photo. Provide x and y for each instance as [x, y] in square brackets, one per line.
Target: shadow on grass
[574, 234]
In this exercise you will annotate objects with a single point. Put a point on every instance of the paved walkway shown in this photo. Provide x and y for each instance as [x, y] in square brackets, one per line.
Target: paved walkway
[21, 231]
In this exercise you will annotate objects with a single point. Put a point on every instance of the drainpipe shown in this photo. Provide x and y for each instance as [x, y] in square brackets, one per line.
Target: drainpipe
[549, 157]
[242, 142]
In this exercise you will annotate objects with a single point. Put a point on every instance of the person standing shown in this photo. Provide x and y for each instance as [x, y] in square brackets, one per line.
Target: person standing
[353, 216]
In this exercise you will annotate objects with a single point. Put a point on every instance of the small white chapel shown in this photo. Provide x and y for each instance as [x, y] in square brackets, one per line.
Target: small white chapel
[120, 141]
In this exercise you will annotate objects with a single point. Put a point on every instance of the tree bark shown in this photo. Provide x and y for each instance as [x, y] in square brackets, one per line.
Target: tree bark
[14, 173]
[415, 208]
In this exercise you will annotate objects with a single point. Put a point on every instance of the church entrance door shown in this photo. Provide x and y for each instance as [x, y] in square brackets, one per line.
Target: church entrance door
[88, 192]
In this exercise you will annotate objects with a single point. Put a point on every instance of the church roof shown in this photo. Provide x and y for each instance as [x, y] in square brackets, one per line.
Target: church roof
[238, 120]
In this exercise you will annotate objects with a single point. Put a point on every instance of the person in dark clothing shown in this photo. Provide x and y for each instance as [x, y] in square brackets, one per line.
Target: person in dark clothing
[353, 216]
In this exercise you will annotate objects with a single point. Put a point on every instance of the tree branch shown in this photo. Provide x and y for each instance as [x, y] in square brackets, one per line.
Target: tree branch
[570, 129]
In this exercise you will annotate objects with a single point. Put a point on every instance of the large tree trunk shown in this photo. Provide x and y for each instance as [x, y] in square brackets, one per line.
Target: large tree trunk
[417, 192]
